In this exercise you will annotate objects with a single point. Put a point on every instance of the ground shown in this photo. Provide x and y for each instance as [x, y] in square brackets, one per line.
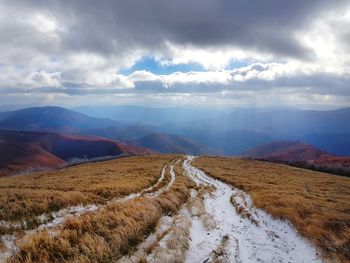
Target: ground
[173, 208]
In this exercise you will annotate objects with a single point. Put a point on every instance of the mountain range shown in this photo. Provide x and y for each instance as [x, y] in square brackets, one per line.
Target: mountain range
[328, 130]
[141, 130]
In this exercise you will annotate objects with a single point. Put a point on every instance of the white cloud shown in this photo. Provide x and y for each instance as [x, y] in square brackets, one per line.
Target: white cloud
[107, 79]
[42, 22]
[324, 37]
[210, 58]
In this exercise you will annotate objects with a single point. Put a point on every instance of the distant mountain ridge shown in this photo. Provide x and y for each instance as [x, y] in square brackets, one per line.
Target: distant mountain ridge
[51, 119]
[170, 144]
[282, 121]
[220, 132]
[235, 130]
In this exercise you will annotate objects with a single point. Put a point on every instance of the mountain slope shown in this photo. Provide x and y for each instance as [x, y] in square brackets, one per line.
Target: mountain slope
[51, 119]
[286, 151]
[164, 143]
[21, 150]
[302, 155]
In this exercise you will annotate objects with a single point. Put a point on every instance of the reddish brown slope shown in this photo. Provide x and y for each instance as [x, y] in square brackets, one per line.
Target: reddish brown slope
[22, 150]
[16, 157]
[301, 155]
[286, 152]
[330, 160]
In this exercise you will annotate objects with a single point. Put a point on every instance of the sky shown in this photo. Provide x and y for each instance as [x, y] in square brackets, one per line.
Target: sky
[234, 53]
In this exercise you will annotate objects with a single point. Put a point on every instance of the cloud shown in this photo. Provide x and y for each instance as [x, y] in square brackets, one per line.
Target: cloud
[79, 48]
[289, 77]
[113, 26]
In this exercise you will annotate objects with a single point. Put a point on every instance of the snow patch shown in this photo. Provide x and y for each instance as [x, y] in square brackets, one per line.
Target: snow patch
[8, 242]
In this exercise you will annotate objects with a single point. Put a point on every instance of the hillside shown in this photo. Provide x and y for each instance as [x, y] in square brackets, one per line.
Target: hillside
[22, 150]
[164, 143]
[285, 151]
[317, 204]
[301, 155]
[333, 161]
[163, 208]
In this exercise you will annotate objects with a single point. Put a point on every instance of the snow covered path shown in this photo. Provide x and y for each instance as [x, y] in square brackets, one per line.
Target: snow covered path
[238, 232]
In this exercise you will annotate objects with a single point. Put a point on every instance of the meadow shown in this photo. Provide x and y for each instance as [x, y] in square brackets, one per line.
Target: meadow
[131, 195]
[317, 204]
[24, 198]
[115, 227]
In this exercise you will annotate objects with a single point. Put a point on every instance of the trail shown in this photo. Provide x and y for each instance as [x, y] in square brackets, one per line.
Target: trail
[220, 224]
[242, 233]
[58, 218]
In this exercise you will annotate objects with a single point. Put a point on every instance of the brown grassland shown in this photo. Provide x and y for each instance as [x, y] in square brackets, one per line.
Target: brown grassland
[317, 204]
[113, 230]
[24, 197]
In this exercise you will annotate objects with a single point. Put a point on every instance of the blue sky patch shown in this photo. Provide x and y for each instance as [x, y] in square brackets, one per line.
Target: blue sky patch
[151, 65]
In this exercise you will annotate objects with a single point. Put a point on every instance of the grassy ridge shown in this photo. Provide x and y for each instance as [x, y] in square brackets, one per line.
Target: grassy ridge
[23, 198]
[107, 233]
[317, 204]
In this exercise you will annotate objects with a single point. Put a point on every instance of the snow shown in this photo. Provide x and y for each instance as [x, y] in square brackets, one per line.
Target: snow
[172, 178]
[144, 191]
[141, 252]
[8, 243]
[237, 238]
[62, 215]
[165, 188]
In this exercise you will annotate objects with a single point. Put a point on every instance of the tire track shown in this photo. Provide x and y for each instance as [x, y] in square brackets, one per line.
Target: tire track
[59, 217]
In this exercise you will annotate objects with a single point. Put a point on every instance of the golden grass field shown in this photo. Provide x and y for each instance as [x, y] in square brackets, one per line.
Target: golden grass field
[24, 197]
[112, 231]
[317, 204]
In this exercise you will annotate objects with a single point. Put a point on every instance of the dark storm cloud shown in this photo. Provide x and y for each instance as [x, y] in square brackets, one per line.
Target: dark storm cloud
[112, 26]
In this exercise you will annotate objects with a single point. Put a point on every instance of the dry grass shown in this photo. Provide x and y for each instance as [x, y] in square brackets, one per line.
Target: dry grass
[106, 234]
[317, 204]
[243, 211]
[24, 197]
